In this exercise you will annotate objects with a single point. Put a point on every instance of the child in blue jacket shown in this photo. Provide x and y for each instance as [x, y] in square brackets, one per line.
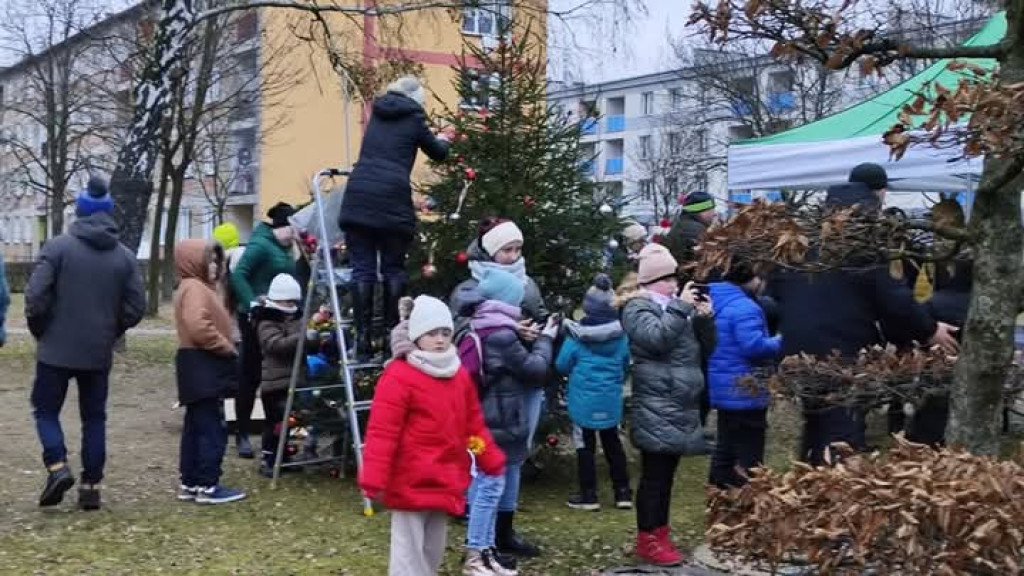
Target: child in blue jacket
[595, 356]
[743, 343]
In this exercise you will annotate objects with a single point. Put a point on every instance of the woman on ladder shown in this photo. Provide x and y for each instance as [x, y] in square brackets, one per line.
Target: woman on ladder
[377, 212]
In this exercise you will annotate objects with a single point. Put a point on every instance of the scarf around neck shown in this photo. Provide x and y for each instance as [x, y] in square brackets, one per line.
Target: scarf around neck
[496, 314]
[437, 364]
[659, 299]
[517, 268]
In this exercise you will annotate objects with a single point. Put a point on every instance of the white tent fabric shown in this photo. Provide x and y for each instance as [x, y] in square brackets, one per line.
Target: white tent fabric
[815, 165]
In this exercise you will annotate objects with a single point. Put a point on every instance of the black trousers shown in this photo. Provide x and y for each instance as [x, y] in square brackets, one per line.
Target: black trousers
[366, 244]
[250, 367]
[928, 426]
[273, 407]
[830, 425]
[741, 437]
[613, 453]
[654, 494]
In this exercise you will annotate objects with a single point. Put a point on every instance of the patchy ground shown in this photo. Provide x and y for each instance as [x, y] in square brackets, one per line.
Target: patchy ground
[312, 524]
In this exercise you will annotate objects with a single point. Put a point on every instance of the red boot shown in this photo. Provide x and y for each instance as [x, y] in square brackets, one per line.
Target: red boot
[665, 537]
[651, 549]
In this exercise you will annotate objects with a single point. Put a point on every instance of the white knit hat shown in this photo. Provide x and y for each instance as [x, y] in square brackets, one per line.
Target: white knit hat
[284, 288]
[410, 86]
[634, 232]
[500, 236]
[428, 314]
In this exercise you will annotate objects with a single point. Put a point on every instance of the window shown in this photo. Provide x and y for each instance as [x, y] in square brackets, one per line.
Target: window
[675, 143]
[647, 190]
[478, 88]
[671, 185]
[647, 103]
[740, 132]
[701, 137]
[246, 26]
[645, 147]
[489, 21]
[676, 96]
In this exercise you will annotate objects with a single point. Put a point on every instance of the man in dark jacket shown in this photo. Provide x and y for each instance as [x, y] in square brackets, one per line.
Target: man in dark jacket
[688, 230]
[84, 294]
[842, 310]
[5, 302]
[377, 213]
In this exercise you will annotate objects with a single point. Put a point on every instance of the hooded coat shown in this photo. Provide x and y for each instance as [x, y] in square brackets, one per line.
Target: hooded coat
[280, 334]
[596, 359]
[743, 343]
[667, 346]
[378, 193]
[263, 259]
[204, 364]
[842, 310]
[84, 293]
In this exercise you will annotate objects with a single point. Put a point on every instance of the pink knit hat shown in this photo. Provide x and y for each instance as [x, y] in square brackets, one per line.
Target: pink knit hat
[656, 263]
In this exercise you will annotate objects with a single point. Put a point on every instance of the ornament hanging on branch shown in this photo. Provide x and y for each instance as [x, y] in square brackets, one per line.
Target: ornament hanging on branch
[462, 198]
[605, 209]
[461, 257]
[429, 270]
[613, 244]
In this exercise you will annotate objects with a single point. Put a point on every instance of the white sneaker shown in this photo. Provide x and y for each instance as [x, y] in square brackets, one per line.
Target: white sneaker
[484, 564]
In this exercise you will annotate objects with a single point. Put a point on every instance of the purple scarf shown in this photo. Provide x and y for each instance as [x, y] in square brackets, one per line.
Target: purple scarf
[493, 314]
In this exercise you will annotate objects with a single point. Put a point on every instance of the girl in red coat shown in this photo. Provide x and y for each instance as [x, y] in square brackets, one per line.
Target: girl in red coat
[425, 430]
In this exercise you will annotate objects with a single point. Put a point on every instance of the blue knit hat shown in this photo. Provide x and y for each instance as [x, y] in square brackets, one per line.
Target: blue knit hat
[502, 286]
[599, 302]
[95, 198]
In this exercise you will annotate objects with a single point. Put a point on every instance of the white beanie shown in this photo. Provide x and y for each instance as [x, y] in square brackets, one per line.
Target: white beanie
[428, 314]
[500, 236]
[409, 86]
[284, 288]
[634, 232]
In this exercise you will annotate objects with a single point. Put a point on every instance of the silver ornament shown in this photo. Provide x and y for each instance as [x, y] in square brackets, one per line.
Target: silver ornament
[605, 209]
[613, 243]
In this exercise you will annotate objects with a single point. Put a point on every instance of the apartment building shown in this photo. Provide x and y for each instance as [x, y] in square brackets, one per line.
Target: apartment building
[271, 151]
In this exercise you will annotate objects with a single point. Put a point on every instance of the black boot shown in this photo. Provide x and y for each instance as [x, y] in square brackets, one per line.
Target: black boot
[508, 541]
[393, 292]
[362, 310]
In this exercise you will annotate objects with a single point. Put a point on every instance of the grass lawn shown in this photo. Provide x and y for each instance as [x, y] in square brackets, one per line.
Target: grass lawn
[312, 524]
[162, 321]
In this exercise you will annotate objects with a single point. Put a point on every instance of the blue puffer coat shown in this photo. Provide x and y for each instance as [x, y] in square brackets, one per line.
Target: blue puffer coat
[596, 359]
[743, 342]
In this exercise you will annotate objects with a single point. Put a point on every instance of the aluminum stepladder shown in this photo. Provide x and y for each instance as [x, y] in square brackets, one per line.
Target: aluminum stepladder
[323, 275]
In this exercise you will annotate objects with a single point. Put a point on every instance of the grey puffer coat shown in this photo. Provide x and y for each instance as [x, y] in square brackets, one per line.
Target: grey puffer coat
[666, 346]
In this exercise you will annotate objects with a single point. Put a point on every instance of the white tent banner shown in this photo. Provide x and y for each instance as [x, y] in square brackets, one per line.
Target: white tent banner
[814, 165]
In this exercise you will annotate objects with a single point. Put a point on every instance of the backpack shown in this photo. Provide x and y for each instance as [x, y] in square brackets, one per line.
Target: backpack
[471, 354]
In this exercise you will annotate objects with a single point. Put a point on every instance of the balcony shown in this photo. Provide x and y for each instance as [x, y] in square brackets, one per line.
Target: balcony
[613, 167]
[615, 123]
[589, 127]
[781, 101]
[740, 108]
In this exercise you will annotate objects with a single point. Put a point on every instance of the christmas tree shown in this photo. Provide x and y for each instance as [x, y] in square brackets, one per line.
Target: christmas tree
[515, 157]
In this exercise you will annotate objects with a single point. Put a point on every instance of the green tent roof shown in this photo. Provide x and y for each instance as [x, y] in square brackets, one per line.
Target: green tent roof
[878, 114]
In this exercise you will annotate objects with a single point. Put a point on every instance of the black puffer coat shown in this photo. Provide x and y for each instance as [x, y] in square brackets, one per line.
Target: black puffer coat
[378, 194]
[667, 348]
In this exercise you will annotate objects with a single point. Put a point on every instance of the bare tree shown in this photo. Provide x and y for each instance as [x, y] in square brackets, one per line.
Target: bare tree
[674, 158]
[58, 122]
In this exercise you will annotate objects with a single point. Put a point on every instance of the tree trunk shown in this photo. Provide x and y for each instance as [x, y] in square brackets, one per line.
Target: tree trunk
[171, 233]
[131, 183]
[980, 374]
[155, 254]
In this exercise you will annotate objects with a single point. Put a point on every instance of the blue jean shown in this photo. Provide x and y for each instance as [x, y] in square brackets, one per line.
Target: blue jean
[534, 407]
[204, 438]
[485, 493]
[510, 496]
[48, 394]
[364, 246]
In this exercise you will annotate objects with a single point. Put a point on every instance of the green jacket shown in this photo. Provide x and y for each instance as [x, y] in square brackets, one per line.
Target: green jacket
[264, 258]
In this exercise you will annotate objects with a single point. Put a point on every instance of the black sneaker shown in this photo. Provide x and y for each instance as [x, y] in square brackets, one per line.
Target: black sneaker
[57, 483]
[89, 498]
[244, 447]
[584, 501]
[624, 498]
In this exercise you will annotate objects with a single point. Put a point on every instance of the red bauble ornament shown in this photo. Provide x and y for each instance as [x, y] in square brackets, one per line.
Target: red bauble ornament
[461, 257]
[460, 159]
[470, 174]
[463, 137]
[428, 270]
[656, 239]
[665, 223]
[529, 202]
[552, 440]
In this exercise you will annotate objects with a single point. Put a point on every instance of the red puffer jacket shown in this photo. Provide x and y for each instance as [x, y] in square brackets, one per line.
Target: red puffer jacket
[416, 455]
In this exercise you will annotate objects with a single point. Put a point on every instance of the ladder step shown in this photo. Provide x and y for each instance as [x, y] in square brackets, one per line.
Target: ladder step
[362, 365]
[311, 461]
[361, 405]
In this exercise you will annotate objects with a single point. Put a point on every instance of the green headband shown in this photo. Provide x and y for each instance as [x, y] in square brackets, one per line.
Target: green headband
[699, 206]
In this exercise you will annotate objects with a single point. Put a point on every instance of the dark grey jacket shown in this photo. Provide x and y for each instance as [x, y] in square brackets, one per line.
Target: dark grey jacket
[84, 293]
[510, 371]
[667, 378]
